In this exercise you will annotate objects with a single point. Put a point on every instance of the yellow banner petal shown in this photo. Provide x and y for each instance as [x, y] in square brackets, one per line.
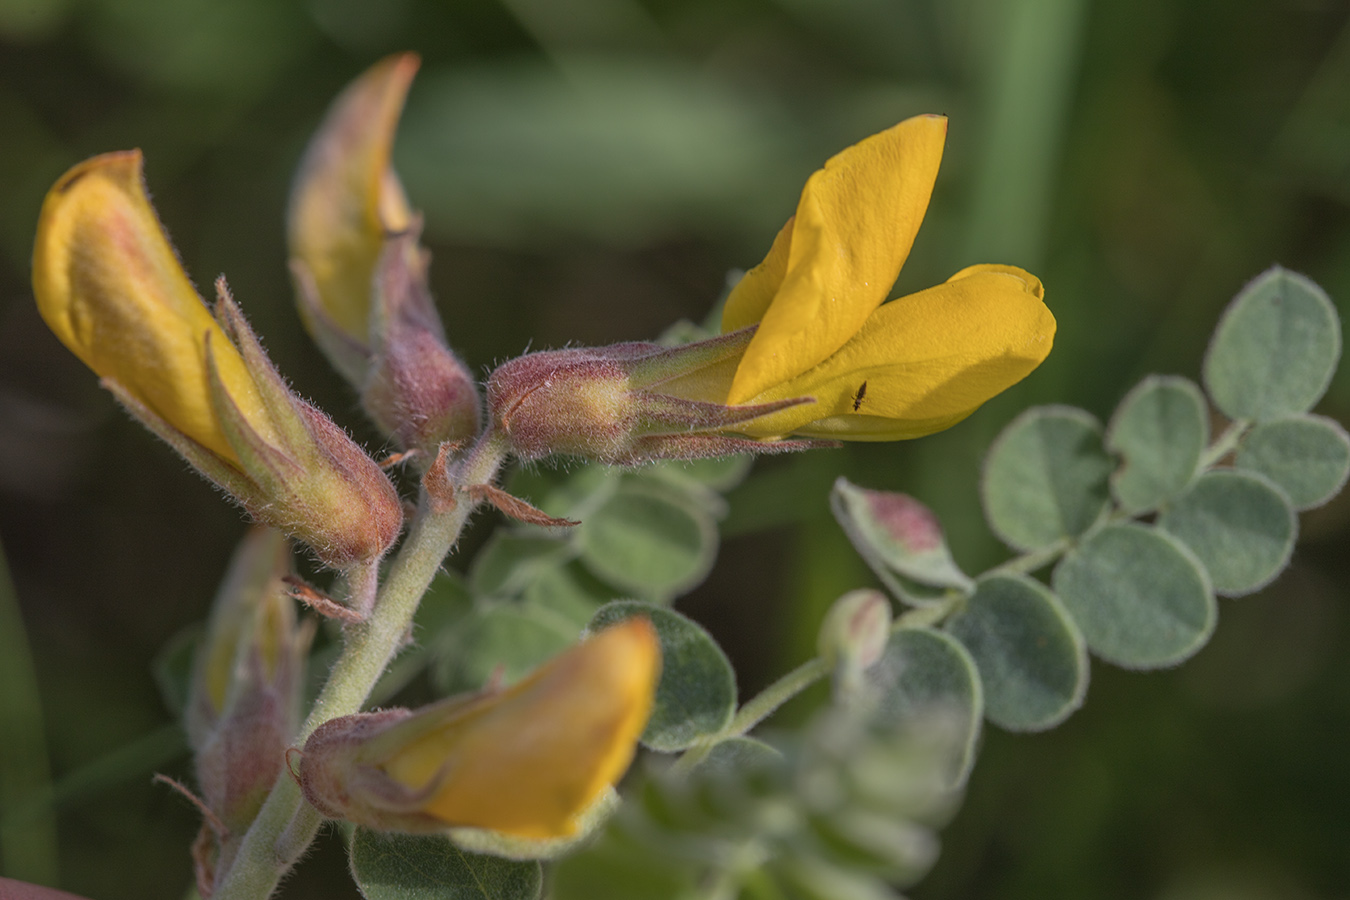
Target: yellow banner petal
[922, 362]
[750, 298]
[530, 760]
[109, 285]
[346, 196]
[854, 227]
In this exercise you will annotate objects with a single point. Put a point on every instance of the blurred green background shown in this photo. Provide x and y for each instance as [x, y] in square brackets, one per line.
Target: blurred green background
[590, 171]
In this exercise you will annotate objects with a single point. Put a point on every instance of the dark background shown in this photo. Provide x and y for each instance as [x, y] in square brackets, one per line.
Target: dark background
[590, 170]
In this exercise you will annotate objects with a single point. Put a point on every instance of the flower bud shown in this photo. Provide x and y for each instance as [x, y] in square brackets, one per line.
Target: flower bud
[901, 539]
[361, 277]
[527, 762]
[244, 696]
[626, 403]
[416, 390]
[853, 635]
[109, 285]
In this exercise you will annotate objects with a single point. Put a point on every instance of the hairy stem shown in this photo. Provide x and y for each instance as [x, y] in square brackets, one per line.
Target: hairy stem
[757, 709]
[286, 824]
[1224, 444]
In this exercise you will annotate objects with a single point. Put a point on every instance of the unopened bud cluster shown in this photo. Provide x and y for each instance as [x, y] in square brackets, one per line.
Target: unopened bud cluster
[110, 286]
[361, 277]
[244, 699]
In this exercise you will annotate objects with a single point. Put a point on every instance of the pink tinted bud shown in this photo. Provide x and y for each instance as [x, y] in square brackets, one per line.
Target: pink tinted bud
[575, 402]
[627, 404]
[417, 390]
[856, 628]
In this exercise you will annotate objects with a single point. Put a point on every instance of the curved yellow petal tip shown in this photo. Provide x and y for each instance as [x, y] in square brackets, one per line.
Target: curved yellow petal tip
[854, 227]
[346, 196]
[109, 285]
[531, 760]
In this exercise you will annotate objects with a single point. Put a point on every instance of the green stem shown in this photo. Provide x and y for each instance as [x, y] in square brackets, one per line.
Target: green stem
[775, 695]
[757, 710]
[1036, 559]
[927, 616]
[286, 824]
[1225, 444]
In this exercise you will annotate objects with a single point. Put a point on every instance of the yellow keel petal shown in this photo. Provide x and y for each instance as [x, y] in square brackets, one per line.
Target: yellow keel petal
[110, 286]
[530, 760]
[927, 361]
[346, 196]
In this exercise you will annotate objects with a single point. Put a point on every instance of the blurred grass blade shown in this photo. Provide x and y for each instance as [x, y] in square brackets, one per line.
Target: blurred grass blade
[1028, 90]
[136, 759]
[28, 848]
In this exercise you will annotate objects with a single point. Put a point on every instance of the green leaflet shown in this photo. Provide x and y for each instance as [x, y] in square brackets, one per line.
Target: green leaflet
[429, 867]
[1275, 349]
[925, 673]
[1141, 598]
[1307, 456]
[1240, 525]
[1159, 431]
[649, 540]
[1031, 657]
[1045, 478]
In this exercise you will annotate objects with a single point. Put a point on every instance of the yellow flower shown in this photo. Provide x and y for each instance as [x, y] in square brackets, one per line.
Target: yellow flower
[109, 285]
[809, 348]
[526, 762]
[361, 277]
[347, 197]
[877, 371]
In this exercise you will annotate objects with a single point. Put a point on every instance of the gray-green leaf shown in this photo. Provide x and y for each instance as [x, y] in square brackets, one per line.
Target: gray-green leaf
[569, 591]
[739, 754]
[649, 541]
[1240, 525]
[1142, 599]
[1275, 349]
[507, 640]
[925, 672]
[509, 561]
[697, 692]
[1045, 477]
[1030, 654]
[1308, 456]
[429, 867]
[1159, 431]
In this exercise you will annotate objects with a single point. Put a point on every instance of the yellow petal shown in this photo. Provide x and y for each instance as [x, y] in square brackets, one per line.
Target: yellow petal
[109, 285]
[855, 224]
[529, 760]
[346, 196]
[928, 360]
[750, 298]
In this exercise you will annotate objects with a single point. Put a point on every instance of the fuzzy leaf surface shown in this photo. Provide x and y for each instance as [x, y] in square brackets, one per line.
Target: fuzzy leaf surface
[1239, 524]
[429, 867]
[1275, 349]
[1159, 432]
[1141, 598]
[1045, 477]
[1031, 656]
[1307, 456]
